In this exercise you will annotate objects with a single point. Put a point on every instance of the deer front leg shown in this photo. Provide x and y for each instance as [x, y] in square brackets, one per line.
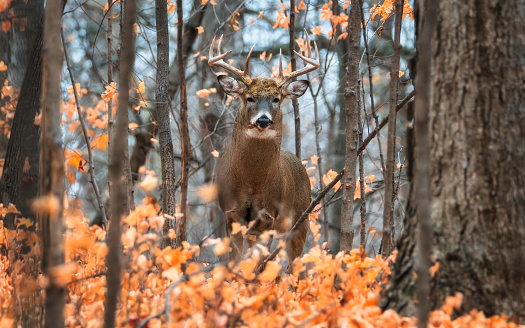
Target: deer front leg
[236, 240]
[295, 244]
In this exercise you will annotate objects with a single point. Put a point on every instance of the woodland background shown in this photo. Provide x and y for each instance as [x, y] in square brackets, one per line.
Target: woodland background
[120, 115]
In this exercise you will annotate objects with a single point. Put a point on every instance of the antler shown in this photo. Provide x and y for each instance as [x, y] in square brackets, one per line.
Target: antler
[219, 62]
[312, 64]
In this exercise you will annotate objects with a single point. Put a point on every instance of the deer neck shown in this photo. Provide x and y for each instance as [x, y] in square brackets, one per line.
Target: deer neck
[256, 158]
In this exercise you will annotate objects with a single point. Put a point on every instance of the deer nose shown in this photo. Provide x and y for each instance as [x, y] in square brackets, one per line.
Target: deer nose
[263, 122]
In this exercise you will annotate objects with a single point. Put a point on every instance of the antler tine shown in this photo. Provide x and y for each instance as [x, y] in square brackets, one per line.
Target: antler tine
[247, 65]
[312, 64]
[280, 64]
[309, 53]
[219, 62]
[219, 47]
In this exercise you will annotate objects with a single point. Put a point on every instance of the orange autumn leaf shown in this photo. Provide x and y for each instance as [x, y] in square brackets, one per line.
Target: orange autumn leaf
[343, 36]
[329, 176]
[100, 142]
[171, 7]
[316, 30]
[149, 182]
[326, 12]
[208, 192]
[203, 93]
[75, 160]
[4, 5]
[141, 88]
[6, 26]
[3, 67]
[301, 6]
[282, 20]
[111, 90]
[200, 29]
[357, 192]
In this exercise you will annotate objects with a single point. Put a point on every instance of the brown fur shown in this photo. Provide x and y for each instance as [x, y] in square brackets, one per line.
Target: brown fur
[260, 182]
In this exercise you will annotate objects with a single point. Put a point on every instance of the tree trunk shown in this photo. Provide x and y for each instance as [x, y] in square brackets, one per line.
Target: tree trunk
[184, 132]
[293, 63]
[23, 145]
[477, 128]
[337, 149]
[52, 169]
[351, 111]
[163, 115]
[477, 155]
[388, 212]
[119, 191]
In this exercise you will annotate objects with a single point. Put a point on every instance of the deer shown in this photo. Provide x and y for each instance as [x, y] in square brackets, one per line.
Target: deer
[259, 184]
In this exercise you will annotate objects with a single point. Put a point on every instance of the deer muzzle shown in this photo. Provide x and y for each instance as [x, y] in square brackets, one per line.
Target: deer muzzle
[263, 122]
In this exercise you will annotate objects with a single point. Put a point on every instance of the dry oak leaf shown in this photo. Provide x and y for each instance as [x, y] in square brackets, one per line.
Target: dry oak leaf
[62, 274]
[208, 192]
[111, 90]
[7, 91]
[326, 12]
[171, 7]
[329, 176]
[3, 67]
[200, 29]
[316, 30]
[149, 182]
[222, 247]
[47, 205]
[203, 93]
[100, 142]
[141, 88]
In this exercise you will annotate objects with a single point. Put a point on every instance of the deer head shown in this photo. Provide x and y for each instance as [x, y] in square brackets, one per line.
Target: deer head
[260, 113]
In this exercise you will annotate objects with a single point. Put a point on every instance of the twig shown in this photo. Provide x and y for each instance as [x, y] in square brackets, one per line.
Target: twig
[110, 79]
[85, 133]
[362, 180]
[384, 122]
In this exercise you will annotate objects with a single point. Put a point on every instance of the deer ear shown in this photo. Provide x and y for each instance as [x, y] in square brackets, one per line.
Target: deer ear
[295, 89]
[231, 86]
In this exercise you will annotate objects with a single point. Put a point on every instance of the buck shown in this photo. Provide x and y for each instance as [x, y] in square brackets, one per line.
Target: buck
[261, 185]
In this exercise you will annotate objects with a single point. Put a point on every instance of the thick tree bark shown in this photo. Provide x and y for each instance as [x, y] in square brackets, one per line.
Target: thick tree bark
[184, 132]
[426, 28]
[477, 155]
[477, 128]
[52, 166]
[23, 145]
[17, 45]
[337, 149]
[163, 115]
[388, 212]
[119, 192]
[351, 111]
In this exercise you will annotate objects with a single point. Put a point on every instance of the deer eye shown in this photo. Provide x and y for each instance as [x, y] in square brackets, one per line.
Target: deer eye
[250, 99]
[275, 100]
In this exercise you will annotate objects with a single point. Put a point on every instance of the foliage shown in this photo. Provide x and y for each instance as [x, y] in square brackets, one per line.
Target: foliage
[338, 291]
